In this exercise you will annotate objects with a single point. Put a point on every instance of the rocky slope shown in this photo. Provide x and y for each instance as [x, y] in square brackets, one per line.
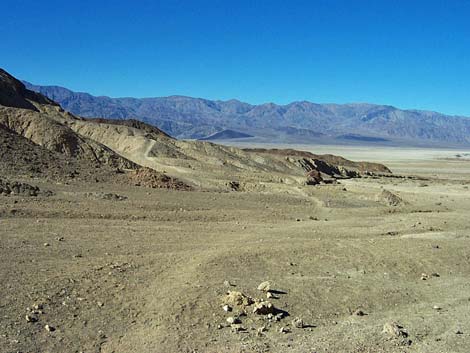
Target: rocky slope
[39, 130]
[187, 117]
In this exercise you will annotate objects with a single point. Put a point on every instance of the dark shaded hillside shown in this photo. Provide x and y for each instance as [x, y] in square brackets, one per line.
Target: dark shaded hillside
[14, 94]
[226, 134]
[300, 122]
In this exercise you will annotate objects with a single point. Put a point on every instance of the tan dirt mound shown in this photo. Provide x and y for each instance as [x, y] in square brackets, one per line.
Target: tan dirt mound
[389, 198]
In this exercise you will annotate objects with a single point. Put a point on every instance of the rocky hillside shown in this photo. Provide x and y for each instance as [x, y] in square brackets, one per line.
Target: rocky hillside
[39, 137]
[36, 141]
[187, 117]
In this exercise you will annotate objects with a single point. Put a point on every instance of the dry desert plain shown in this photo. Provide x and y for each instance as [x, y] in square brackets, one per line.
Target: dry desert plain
[348, 272]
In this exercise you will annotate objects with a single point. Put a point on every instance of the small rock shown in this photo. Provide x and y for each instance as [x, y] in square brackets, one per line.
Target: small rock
[437, 307]
[284, 330]
[264, 286]
[233, 320]
[46, 244]
[394, 330]
[228, 284]
[459, 332]
[242, 313]
[30, 318]
[219, 326]
[263, 308]
[100, 304]
[359, 312]
[49, 328]
[238, 298]
[37, 307]
[226, 308]
[424, 277]
[298, 323]
[269, 295]
[237, 328]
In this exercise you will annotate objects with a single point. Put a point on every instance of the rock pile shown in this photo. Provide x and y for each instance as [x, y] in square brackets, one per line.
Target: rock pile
[106, 196]
[22, 189]
[245, 309]
[152, 179]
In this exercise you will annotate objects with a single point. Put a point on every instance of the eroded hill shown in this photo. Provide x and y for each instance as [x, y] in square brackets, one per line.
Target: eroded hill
[128, 145]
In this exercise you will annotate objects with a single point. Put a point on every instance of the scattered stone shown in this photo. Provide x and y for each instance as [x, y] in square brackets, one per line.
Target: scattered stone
[242, 313]
[228, 284]
[238, 298]
[106, 196]
[237, 328]
[359, 312]
[284, 330]
[233, 320]
[424, 277]
[219, 326]
[234, 185]
[38, 307]
[23, 189]
[264, 286]
[263, 308]
[435, 274]
[260, 331]
[226, 308]
[49, 328]
[394, 330]
[298, 323]
[269, 295]
[59, 238]
[100, 304]
[31, 318]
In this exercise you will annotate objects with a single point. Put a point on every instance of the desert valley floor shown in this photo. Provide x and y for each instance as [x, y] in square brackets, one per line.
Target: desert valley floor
[150, 271]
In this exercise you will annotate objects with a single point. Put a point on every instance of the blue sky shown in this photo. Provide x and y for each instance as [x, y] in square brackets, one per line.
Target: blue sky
[407, 53]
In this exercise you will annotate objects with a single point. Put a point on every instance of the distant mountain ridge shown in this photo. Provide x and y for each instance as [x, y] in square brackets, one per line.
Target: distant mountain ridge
[299, 122]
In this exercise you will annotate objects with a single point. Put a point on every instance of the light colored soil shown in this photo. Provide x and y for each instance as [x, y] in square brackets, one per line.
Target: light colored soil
[146, 273]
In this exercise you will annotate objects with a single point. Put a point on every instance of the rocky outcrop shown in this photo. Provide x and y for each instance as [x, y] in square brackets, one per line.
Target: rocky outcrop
[13, 93]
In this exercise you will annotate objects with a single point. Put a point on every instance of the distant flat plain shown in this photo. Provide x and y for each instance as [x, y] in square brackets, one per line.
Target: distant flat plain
[402, 160]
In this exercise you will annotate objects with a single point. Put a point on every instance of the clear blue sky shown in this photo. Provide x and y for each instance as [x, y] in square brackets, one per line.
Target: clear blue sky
[408, 53]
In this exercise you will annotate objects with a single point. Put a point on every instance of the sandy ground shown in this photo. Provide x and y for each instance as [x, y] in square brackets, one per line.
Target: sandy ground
[146, 274]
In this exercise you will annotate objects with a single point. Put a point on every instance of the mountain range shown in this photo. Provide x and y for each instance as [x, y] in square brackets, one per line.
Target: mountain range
[39, 138]
[297, 122]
